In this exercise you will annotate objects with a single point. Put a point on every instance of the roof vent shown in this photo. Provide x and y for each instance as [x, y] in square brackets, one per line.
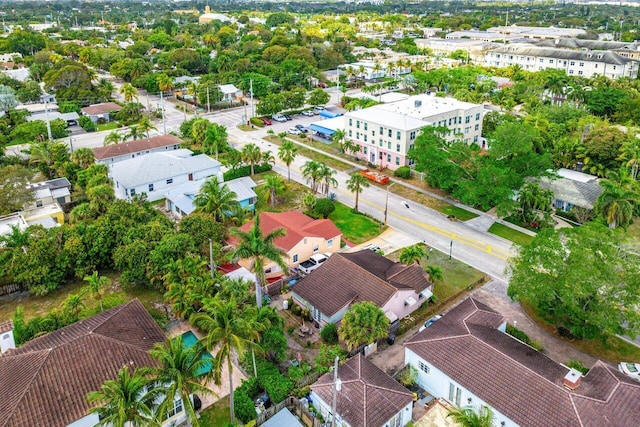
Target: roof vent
[417, 103]
[572, 379]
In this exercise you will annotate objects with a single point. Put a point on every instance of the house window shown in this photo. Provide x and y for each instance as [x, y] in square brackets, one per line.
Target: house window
[295, 258]
[424, 367]
[396, 421]
[150, 187]
[177, 408]
[170, 181]
[315, 248]
[316, 314]
[455, 394]
[132, 192]
[39, 204]
[329, 243]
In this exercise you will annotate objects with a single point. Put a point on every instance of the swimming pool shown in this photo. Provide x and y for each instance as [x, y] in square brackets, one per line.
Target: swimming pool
[189, 339]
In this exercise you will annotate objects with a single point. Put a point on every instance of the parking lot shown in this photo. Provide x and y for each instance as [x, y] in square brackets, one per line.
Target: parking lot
[300, 119]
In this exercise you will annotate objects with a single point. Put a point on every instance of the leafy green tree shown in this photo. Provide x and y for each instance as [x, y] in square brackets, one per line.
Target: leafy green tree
[125, 401]
[96, 285]
[180, 372]
[327, 355]
[318, 97]
[363, 323]
[412, 254]
[257, 247]
[471, 417]
[13, 193]
[271, 104]
[216, 199]
[324, 207]
[355, 184]
[287, 153]
[226, 327]
[579, 279]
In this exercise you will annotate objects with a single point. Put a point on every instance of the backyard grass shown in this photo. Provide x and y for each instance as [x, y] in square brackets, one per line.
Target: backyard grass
[216, 414]
[431, 202]
[355, 227]
[612, 349]
[108, 126]
[510, 234]
[290, 200]
[311, 154]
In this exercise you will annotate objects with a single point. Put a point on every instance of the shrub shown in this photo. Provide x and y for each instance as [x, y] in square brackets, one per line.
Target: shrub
[408, 376]
[324, 208]
[403, 172]
[87, 124]
[245, 171]
[329, 333]
[578, 366]
[272, 381]
[244, 408]
[520, 335]
[256, 122]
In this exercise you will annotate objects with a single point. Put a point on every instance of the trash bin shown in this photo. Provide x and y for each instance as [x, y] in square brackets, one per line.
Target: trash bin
[391, 339]
[285, 304]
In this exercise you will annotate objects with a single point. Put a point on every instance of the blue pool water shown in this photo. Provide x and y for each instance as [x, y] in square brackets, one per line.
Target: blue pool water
[189, 339]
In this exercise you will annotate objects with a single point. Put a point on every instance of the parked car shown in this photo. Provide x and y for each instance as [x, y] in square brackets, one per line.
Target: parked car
[301, 128]
[279, 118]
[266, 121]
[313, 263]
[372, 247]
[630, 369]
[286, 116]
[294, 131]
[318, 108]
[430, 322]
[323, 85]
[308, 113]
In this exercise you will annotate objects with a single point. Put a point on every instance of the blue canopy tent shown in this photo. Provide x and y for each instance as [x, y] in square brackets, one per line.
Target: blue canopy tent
[328, 114]
[323, 130]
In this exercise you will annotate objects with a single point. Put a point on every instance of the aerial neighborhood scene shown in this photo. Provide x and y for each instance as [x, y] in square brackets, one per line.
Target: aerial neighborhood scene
[337, 213]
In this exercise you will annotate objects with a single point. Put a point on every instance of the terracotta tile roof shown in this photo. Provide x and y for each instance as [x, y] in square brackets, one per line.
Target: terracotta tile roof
[45, 382]
[519, 382]
[138, 145]
[368, 397]
[105, 107]
[6, 326]
[298, 226]
[359, 276]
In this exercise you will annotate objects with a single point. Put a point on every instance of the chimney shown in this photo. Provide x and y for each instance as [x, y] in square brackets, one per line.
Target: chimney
[207, 9]
[7, 341]
[572, 379]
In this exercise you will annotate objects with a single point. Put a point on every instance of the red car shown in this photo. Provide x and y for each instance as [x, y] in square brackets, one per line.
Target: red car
[323, 85]
[266, 121]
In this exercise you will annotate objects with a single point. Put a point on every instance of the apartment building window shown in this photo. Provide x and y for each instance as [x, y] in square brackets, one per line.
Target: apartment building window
[373, 133]
[580, 72]
[475, 138]
[358, 124]
[466, 129]
[388, 157]
[412, 135]
[595, 66]
[572, 63]
[411, 147]
[467, 119]
[581, 64]
[364, 150]
[350, 133]
[551, 61]
[365, 138]
[398, 135]
[350, 122]
[295, 258]
[477, 127]
[460, 120]
[477, 116]
[132, 192]
[150, 187]
[381, 130]
[541, 60]
[388, 145]
[398, 148]
[357, 135]
[614, 67]
[449, 121]
[397, 161]
[380, 142]
[570, 71]
[390, 133]
[365, 125]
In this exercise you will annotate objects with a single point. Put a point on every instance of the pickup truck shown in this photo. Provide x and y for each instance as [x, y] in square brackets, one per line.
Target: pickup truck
[378, 177]
[313, 263]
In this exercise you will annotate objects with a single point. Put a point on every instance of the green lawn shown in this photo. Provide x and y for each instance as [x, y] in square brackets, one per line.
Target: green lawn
[312, 155]
[510, 234]
[216, 414]
[459, 213]
[108, 126]
[355, 227]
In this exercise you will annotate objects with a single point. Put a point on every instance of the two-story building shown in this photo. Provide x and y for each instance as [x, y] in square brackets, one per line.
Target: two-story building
[385, 133]
[49, 192]
[155, 174]
[110, 154]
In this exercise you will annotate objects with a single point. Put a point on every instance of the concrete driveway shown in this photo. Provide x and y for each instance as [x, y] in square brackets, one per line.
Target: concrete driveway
[389, 241]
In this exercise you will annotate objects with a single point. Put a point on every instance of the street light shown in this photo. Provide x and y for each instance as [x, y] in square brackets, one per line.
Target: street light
[386, 202]
[450, 249]
[211, 257]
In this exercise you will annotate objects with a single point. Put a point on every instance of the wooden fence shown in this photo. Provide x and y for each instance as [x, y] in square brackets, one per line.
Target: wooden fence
[296, 407]
[10, 288]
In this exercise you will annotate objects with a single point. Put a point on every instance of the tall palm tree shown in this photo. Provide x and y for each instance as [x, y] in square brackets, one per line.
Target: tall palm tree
[413, 254]
[469, 417]
[129, 92]
[216, 137]
[226, 326]
[125, 401]
[165, 82]
[311, 170]
[83, 157]
[275, 187]
[630, 155]
[287, 153]
[96, 283]
[216, 198]
[355, 184]
[192, 89]
[136, 132]
[251, 155]
[180, 372]
[326, 174]
[619, 197]
[435, 273]
[145, 126]
[348, 146]
[256, 246]
[532, 198]
[339, 135]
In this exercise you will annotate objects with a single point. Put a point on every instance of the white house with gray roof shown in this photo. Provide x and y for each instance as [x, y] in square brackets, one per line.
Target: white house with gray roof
[155, 174]
[572, 188]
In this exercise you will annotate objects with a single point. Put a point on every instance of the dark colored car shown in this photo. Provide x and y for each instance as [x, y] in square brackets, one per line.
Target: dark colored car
[266, 121]
[322, 85]
[288, 117]
[301, 128]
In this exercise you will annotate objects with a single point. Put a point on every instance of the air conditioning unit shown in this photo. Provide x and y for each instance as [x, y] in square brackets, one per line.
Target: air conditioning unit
[417, 103]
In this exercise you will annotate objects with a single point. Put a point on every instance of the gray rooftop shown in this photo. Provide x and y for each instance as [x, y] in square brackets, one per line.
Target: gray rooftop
[606, 57]
[183, 195]
[577, 188]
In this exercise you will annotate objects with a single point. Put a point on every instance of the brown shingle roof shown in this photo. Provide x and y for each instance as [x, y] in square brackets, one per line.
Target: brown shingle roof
[519, 382]
[6, 326]
[105, 107]
[368, 397]
[354, 277]
[298, 226]
[45, 382]
[138, 145]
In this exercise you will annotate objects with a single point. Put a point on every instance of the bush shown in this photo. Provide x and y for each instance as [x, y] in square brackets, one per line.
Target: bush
[272, 381]
[245, 171]
[329, 333]
[403, 172]
[407, 376]
[324, 208]
[520, 335]
[256, 122]
[244, 408]
[87, 124]
[578, 366]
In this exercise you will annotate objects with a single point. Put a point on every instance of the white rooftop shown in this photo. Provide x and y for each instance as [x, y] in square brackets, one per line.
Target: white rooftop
[397, 120]
[426, 106]
[575, 175]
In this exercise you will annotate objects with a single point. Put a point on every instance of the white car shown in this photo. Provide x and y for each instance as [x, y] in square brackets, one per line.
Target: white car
[308, 113]
[279, 118]
[318, 109]
[294, 131]
[430, 322]
[313, 263]
[630, 369]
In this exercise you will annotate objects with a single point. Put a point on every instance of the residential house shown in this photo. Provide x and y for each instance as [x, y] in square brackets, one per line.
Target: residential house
[283, 418]
[6, 57]
[467, 359]
[348, 278]
[45, 382]
[49, 192]
[385, 133]
[155, 174]
[7, 340]
[101, 112]
[305, 237]
[208, 16]
[38, 108]
[70, 118]
[572, 188]
[230, 93]
[110, 154]
[365, 396]
[48, 216]
[179, 200]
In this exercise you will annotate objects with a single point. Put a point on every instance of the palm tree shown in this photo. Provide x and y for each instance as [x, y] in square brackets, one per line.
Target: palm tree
[469, 417]
[216, 199]
[199, 131]
[532, 198]
[227, 328]
[435, 273]
[311, 170]
[83, 157]
[136, 132]
[95, 283]
[113, 138]
[180, 372]
[267, 158]
[216, 136]
[124, 401]
[251, 155]
[326, 174]
[275, 187]
[413, 254]
[630, 155]
[73, 304]
[287, 153]
[348, 146]
[192, 89]
[355, 184]
[145, 126]
[165, 82]
[339, 135]
[258, 247]
[129, 92]
[618, 199]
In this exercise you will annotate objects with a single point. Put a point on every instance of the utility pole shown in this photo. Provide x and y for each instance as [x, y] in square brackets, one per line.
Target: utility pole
[164, 121]
[46, 115]
[337, 386]
[71, 144]
[211, 257]
[253, 113]
[208, 104]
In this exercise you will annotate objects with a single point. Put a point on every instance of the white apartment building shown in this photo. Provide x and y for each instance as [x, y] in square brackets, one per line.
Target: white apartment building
[385, 133]
[575, 62]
